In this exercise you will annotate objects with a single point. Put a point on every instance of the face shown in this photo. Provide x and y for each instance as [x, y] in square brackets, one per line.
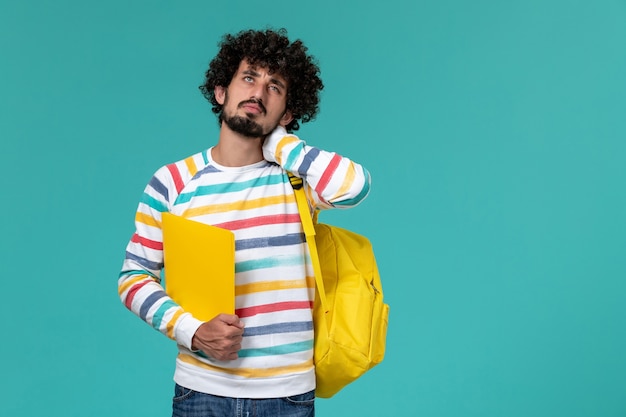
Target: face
[254, 102]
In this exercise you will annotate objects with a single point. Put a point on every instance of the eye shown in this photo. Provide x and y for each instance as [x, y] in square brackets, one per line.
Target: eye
[274, 88]
[248, 79]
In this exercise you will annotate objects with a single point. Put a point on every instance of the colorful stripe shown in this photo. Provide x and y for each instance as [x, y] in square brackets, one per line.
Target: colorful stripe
[265, 286]
[178, 181]
[273, 308]
[289, 327]
[146, 263]
[293, 156]
[136, 277]
[328, 173]
[308, 159]
[283, 142]
[271, 262]
[353, 201]
[206, 170]
[171, 325]
[137, 273]
[224, 188]
[191, 166]
[260, 221]
[149, 302]
[238, 205]
[131, 293]
[158, 186]
[152, 244]
[270, 241]
[147, 219]
[160, 313]
[285, 349]
[249, 372]
[347, 182]
[153, 203]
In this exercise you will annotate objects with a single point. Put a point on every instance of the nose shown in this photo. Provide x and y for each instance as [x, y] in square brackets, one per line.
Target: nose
[258, 92]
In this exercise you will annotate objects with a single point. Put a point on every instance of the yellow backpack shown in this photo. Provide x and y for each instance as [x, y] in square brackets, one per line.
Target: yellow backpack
[350, 318]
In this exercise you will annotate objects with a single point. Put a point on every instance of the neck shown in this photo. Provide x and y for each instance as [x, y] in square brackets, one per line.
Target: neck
[235, 150]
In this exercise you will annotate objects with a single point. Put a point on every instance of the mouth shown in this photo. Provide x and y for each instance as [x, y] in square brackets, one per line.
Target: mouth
[252, 107]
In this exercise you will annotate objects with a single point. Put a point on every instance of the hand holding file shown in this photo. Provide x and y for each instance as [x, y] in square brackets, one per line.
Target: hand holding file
[220, 338]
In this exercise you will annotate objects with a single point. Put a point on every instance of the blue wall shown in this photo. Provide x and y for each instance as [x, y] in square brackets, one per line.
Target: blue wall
[495, 135]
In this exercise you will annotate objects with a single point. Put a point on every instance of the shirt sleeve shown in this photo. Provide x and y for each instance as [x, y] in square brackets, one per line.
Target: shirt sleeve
[139, 284]
[333, 181]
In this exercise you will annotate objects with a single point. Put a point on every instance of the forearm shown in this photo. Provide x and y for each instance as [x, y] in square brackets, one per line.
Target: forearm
[336, 180]
[142, 293]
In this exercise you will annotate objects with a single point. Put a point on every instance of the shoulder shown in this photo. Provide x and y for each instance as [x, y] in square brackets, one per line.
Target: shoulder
[171, 178]
[184, 169]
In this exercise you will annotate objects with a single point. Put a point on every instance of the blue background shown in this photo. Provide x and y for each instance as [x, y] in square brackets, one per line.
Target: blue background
[494, 132]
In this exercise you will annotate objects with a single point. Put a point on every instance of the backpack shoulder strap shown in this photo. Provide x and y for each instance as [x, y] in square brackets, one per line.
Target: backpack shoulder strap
[309, 231]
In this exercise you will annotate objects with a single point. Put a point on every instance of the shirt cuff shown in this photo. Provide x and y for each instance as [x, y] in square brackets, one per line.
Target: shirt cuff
[185, 329]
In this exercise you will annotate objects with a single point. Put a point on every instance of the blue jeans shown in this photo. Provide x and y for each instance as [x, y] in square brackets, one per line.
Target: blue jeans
[189, 403]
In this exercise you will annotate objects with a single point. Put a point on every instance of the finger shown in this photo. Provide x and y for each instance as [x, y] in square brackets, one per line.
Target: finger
[227, 356]
[236, 334]
[232, 320]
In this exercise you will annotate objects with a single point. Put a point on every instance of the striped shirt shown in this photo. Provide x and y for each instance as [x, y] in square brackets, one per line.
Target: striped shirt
[274, 282]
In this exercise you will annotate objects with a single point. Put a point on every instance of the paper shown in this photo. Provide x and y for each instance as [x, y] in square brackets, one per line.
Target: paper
[199, 266]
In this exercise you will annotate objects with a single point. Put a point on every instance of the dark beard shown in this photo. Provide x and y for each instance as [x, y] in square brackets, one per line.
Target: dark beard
[244, 126]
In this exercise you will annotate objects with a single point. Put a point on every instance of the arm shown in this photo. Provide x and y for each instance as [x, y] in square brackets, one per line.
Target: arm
[140, 288]
[336, 181]
[139, 284]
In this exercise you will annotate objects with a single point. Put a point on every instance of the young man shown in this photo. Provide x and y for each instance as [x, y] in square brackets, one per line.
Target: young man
[258, 360]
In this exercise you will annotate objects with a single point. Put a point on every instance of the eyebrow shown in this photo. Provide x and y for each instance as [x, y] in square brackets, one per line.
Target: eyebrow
[250, 72]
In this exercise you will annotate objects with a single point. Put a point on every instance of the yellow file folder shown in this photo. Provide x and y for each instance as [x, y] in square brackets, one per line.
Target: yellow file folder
[199, 266]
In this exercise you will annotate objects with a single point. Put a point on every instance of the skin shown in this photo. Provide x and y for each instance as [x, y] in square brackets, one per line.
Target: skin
[220, 338]
[269, 91]
[254, 94]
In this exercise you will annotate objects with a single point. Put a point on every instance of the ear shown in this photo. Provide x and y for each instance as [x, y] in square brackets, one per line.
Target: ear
[286, 119]
[220, 94]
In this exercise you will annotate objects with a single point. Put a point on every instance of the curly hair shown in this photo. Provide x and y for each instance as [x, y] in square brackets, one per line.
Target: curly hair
[272, 50]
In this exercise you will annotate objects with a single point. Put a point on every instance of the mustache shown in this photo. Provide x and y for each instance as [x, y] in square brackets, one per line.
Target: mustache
[253, 101]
